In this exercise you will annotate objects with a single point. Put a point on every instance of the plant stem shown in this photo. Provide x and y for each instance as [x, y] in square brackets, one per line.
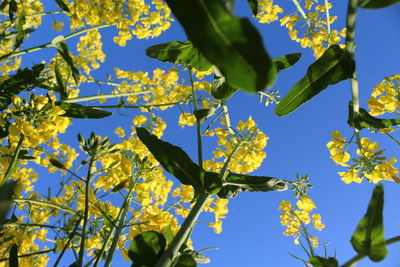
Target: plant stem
[359, 257]
[50, 44]
[86, 212]
[94, 97]
[38, 202]
[198, 122]
[70, 236]
[31, 254]
[350, 47]
[183, 232]
[121, 224]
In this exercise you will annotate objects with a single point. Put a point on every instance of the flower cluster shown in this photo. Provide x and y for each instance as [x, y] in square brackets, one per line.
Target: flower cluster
[244, 149]
[385, 96]
[369, 164]
[313, 23]
[298, 221]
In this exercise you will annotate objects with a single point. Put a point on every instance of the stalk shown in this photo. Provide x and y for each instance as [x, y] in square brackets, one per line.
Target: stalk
[183, 232]
[95, 97]
[86, 212]
[198, 123]
[50, 44]
[121, 225]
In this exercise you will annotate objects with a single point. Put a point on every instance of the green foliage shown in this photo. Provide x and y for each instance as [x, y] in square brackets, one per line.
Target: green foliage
[62, 48]
[221, 89]
[332, 67]
[232, 44]
[6, 195]
[287, 61]
[175, 161]
[146, 249]
[317, 261]
[20, 32]
[13, 256]
[62, 5]
[62, 85]
[368, 238]
[184, 260]
[365, 120]
[78, 111]
[236, 183]
[24, 80]
[253, 6]
[372, 4]
[181, 53]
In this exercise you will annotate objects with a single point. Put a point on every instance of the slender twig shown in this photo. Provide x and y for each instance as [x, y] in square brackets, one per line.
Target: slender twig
[393, 138]
[359, 257]
[50, 44]
[33, 15]
[300, 9]
[31, 254]
[71, 235]
[95, 97]
[44, 203]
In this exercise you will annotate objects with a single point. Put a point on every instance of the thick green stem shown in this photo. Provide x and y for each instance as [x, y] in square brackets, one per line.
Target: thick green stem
[198, 122]
[86, 212]
[183, 232]
[121, 225]
[359, 257]
[350, 47]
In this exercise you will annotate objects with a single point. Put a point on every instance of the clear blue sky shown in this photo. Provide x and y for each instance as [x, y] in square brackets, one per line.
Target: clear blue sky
[252, 234]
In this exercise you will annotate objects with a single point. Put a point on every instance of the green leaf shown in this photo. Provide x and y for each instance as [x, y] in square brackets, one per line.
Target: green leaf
[253, 6]
[287, 61]
[12, 9]
[20, 31]
[372, 4]
[146, 249]
[236, 183]
[184, 260]
[62, 87]
[365, 120]
[13, 256]
[78, 111]
[175, 161]
[62, 5]
[181, 53]
[24, 80]
[62, 48]
[6, 195]
[232, 44]
[368, 238]
[3, 4]
[332, 67]
[317, 261]
[222, 90]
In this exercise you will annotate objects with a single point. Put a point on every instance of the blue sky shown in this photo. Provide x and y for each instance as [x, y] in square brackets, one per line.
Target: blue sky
[252, 234]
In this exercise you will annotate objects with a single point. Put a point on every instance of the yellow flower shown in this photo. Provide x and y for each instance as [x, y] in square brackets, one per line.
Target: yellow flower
[57, 25]
[187, 119]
